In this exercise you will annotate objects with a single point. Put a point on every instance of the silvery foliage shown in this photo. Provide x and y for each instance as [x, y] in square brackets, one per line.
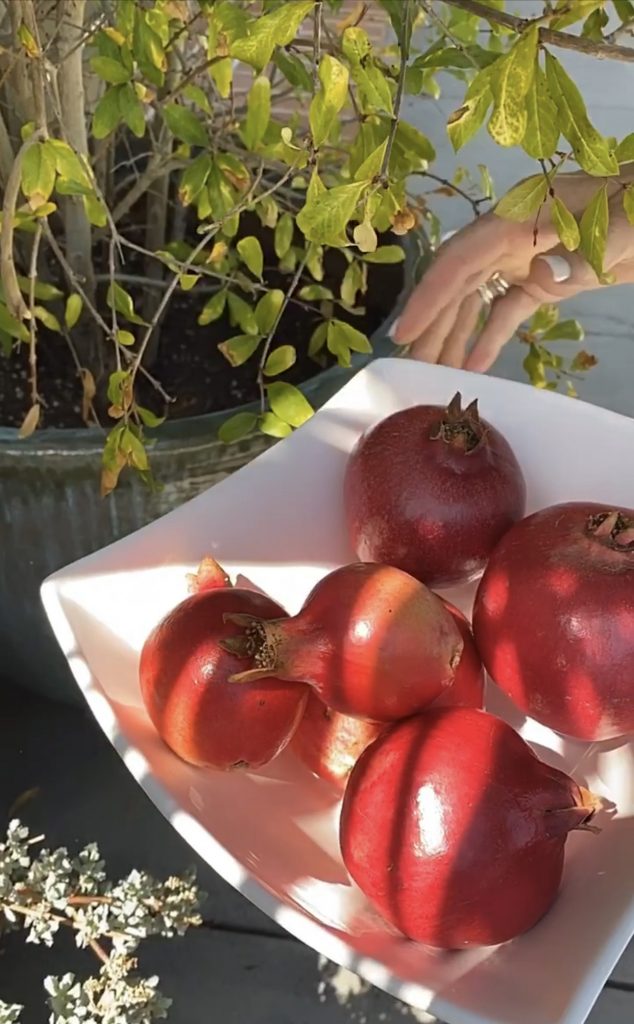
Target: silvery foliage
[41, 893]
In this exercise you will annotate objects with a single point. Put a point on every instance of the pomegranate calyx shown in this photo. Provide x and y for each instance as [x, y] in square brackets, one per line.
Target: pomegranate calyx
[260, 642]
[577, 818]
[460, 427]
[613, 529]
[209, 576]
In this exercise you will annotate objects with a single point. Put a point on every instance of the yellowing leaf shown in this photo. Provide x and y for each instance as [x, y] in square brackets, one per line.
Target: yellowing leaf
[38, 173]
[67, 162]
[49, 319]
[566, 225]
[325, 107]
[523, 199]
[593, 228]
[365, 237]
[213, 308]
[590, 148]
[625, 150]
[542, 130]
[385, 254]
[275, 29]
[267, 310]
[95, 210]
[373, 87]
[273, 426]
[510, 79]
[283, 238]
[250, 252]
[125, 338]
[30, 422]
[467, 120]
[194, 178]
[242, 314]
[237, 350]
[258, 112]
[289, 403]
[325, 218]
[279, 360]
[237, 427]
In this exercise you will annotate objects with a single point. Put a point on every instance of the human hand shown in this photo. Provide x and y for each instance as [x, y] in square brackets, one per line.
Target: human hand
[442, 313]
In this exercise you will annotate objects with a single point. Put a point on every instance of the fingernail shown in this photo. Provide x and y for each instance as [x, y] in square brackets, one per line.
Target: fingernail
[561, 269]
[393, 328]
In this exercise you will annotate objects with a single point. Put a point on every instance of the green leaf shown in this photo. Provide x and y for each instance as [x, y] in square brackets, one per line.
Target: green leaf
[294, 70]
[72, 313]
[241, 314]
[326, 105]
[110, 70]
[412, 150]
[237, 427]
[43, 290]
[317, 340]
[184, 124]
[267, 310]
[467, 120]
[354, 280]
[545, 317]
[315, 293]
[625, 150]
[213, 308]
[258, 112]
[565, 224]
[315, 261]
[149, 418]
[273, 426]
[373, 87]
[119, 298]
[240, 348]
[194, 178]
[324, 219]
[523, 199]
[250, 252]
[565, 330]
[280, 360]
[511, 78]
[95, 210]
[132, 110]
[275, 29]
[49, 319]
[125, 338]
[148, 48]
[372, 164]
[107, 113]
[590, 148]
[11, 326]
[593, 228]
[38, 173]
[283, 238]
[343, 334]
[542, 130]
[534, 367]
[67, 163]
[628, 203]
[385, 254]
[196, 95]
[289, 403]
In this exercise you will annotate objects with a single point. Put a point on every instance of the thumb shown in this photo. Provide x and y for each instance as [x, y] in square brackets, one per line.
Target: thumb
[558, 275]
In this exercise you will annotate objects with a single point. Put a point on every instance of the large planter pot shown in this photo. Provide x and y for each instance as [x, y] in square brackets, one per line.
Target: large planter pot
[51, 512]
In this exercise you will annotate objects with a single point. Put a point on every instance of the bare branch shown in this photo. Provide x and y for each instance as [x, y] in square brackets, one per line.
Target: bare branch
[400, 88]
[563, 40]
[35, 398]
[12, 294]
[37, 66]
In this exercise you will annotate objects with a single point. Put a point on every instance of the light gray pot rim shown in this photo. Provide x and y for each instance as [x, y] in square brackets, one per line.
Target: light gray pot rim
[83, 441]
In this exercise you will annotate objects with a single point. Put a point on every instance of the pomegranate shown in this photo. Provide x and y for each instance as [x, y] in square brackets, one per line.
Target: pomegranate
[554, 618]
[330, 743]
[467, 689]
[186, 664]
[209, 576]
[455, 830]
[431, 491]
[372, 641]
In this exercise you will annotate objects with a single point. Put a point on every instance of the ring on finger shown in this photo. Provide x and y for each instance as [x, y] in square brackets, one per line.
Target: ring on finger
[492, 289]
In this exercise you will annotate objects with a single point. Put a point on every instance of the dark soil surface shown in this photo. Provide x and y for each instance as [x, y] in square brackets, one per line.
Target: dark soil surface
[189, 365]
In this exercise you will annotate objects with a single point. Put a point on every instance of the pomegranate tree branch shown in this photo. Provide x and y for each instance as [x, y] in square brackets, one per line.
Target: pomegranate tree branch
[475, 203]
[562, 40]
[12, 294]
[269, 338]
[35, 251]
[400, 89]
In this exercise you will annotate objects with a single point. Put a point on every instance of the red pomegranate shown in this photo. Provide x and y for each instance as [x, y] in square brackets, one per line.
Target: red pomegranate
[455, 830]
[554, 618]
[431, 491]
[186, 665]
[329, 743]
[467, 689]
[371, 640]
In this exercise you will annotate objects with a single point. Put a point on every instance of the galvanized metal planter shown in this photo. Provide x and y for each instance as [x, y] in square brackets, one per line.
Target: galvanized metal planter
[51, 512]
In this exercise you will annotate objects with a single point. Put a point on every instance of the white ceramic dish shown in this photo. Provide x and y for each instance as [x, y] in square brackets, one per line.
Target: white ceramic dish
[273, 834]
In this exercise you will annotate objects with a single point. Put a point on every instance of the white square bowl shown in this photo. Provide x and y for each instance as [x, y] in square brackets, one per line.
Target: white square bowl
[273, 834]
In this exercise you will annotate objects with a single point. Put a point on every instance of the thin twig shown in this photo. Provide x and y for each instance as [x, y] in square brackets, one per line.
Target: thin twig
[190, 76]
[269, 338]
[155, 169]
[562, 40]
[12, 294]
[112, 271]
[35, 251]
[474, 203]
[446, 31]
[400, 88]
[30, 20]
[316, 43]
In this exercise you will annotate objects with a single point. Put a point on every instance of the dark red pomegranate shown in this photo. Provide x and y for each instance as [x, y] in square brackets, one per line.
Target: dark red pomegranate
[209, 576]
[329, 743]
[186, 664]
[554, 618]
[431, 491]
[467, 689]
[371, 640]
[455, 830]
